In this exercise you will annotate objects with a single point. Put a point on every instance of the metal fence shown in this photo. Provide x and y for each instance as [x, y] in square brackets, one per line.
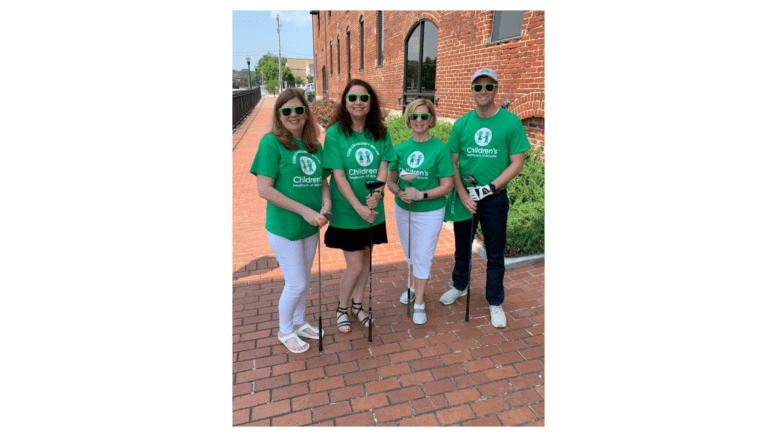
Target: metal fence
[243, 102]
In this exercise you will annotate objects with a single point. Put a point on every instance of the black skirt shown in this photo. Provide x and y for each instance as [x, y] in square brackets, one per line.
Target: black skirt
[354, 239]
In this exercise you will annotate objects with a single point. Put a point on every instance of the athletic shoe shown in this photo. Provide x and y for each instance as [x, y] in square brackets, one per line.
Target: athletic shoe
[419, 314]
[498, 318]
[451, 295]
[403, 297]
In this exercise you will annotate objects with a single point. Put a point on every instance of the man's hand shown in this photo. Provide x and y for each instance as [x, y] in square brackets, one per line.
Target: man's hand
[478, 193]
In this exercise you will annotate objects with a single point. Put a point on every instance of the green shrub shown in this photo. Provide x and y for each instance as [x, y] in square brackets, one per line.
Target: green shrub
[323, 110]
[526, 218]
[400, 132]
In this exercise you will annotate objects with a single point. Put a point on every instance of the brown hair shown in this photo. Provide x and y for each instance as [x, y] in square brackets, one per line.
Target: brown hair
[374, 122]
[421, 102]
[309, 132]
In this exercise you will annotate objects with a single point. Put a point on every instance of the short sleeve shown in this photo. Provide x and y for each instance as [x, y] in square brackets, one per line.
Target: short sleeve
[267, 159]
[519, 142]
[333, 157]
[453, 138]
[389, 154]
[444, 163]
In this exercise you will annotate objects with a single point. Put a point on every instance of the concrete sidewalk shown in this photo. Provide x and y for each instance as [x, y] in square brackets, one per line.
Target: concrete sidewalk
[445, 372]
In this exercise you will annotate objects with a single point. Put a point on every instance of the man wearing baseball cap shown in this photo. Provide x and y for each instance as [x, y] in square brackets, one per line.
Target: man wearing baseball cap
[487, 143]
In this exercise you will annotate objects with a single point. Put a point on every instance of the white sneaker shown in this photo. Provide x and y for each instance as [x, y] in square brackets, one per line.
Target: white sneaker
[403, 297]
[451, 295]
[419, 314]
[498, 318]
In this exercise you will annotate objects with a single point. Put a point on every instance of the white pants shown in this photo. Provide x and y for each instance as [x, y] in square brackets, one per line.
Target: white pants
[295, 259]
[425, 235]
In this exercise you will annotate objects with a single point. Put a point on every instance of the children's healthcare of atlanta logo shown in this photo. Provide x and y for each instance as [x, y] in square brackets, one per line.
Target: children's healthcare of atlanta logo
[483, 137]
[308, 165]
[364, 156]
[415, 159]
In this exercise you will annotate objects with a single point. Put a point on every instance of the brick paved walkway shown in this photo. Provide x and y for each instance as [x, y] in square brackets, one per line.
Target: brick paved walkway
[445, 372]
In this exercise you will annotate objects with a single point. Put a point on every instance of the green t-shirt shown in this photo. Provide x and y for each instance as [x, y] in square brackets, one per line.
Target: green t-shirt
[298, 175]
[359, 156]
[431, 160]
[484, 146]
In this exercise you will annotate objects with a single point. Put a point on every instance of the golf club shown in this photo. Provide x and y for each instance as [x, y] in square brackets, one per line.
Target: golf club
[470, 179]
[408, 177]
[372, 185]
[328, 216]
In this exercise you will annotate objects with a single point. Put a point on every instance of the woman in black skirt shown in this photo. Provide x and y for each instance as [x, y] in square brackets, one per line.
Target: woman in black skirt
[357, 148]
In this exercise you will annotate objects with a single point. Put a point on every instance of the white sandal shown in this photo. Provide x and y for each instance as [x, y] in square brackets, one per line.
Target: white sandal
[299, 341]
[301, 331]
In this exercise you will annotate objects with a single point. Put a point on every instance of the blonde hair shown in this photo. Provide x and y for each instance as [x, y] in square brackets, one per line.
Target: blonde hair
[309, 132]
[421, 102]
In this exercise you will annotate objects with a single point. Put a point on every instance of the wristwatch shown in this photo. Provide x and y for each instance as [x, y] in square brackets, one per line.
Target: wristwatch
[493, 188]
[426, 195]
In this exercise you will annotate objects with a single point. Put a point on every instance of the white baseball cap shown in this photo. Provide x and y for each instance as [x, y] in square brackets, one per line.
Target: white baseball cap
[485, 72]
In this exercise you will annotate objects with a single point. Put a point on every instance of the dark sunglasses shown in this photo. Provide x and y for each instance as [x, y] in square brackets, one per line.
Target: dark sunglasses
[424, 117]
[287, 111]
[489, 87]
[353, 97]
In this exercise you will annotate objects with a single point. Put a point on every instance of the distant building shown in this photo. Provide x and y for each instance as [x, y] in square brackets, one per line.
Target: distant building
[240, 80]
[299, 68]
[393, 49]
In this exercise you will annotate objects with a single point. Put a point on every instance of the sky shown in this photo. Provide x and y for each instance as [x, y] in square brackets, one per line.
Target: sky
[254, 33]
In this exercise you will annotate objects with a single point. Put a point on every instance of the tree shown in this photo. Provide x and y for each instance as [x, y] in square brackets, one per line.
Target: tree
[297, 80]
[271, 86]
[310, 79]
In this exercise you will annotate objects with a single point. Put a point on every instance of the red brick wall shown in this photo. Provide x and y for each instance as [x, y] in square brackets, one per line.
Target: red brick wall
[462, 49]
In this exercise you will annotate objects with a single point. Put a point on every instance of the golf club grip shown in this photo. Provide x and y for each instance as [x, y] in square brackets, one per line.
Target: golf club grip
[466, 315]
[320, 335]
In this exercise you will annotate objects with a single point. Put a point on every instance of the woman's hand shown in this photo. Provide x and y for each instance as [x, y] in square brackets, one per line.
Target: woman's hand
[373, 199]
[410, 195]
[367, 214]
[313, 217]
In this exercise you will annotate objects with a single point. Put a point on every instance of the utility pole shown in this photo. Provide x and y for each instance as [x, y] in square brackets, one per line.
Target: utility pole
[280, 73]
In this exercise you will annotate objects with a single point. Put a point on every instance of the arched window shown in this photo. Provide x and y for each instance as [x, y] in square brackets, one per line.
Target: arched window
[420, 62]
[348, 50]
[380, 39]
[330, 59]
[323, 75]
[361, 43]
[338, 55]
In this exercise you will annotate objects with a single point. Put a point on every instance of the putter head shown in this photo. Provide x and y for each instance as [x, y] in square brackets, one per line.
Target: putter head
[470, 179]
[407, 176]
[373, 184]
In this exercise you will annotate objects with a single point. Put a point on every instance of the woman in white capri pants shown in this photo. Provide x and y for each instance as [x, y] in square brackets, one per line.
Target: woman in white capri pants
[420, 202]
[291, 177]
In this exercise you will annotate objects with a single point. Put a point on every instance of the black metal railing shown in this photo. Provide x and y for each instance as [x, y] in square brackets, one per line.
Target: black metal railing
[243, 102]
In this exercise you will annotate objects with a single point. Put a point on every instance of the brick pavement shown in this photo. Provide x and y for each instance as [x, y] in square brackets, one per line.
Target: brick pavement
[445, 372]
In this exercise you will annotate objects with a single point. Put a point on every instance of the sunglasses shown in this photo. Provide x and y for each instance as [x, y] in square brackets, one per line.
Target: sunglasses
[353, 97]
[287, 111]
[489, 87]
[424, 117]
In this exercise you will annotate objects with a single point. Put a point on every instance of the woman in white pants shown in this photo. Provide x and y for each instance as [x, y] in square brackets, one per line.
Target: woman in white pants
[420, 203]
[291, 177]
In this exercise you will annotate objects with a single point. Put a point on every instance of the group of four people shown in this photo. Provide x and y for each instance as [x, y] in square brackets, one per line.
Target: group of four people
[292, 169]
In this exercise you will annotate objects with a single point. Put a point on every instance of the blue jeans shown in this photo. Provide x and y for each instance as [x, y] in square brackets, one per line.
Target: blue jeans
[492, 216]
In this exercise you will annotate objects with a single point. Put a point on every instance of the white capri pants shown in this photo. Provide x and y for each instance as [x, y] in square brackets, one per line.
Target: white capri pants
[295, 259]
[425, 235]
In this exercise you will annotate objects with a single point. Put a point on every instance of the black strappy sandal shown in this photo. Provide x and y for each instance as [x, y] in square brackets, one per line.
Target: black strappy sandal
[358, 310]
[344, 324]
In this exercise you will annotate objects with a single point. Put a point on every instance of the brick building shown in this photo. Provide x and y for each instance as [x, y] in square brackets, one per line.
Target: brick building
[433, 54]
